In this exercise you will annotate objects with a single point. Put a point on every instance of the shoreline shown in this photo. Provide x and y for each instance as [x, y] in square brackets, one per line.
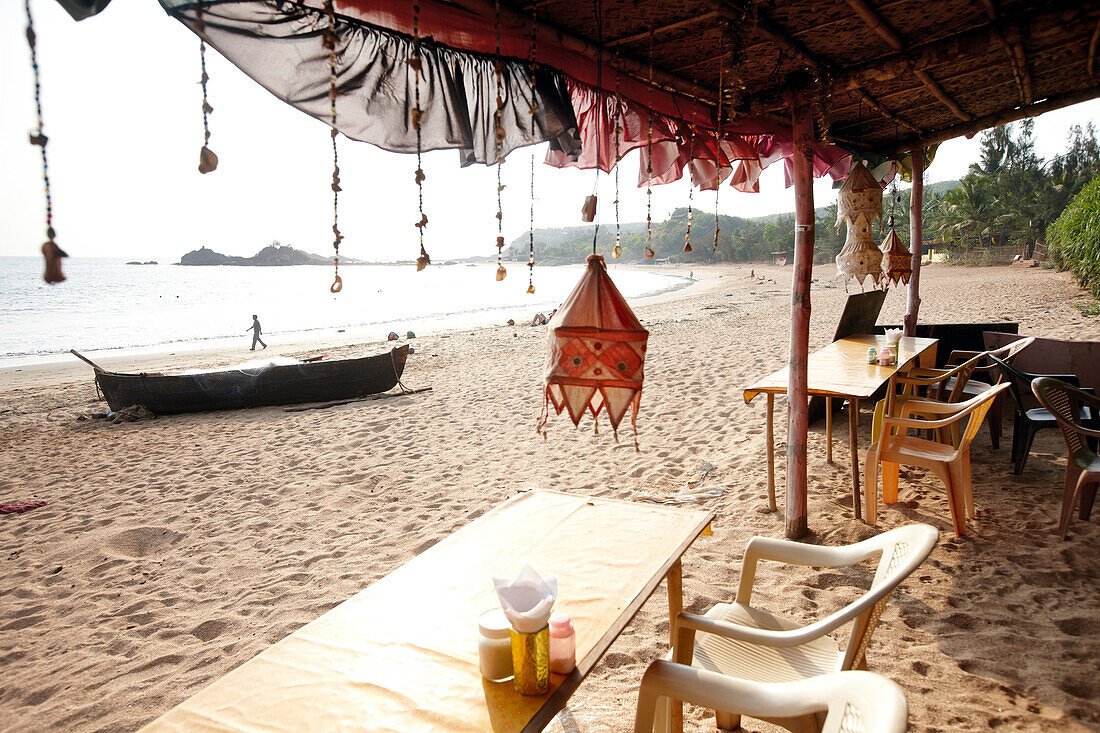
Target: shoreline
[59, 368]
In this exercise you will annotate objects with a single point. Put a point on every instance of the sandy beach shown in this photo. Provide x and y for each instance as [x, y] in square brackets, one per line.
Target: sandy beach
[173, 550]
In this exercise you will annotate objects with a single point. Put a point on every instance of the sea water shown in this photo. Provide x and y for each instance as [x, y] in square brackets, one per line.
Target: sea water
[106, 304]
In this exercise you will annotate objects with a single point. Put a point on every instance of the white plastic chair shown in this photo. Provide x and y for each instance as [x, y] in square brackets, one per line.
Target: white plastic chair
[844, 702]
[748, 643]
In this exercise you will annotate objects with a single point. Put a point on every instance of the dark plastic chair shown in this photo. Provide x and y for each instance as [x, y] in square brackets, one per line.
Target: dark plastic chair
[1067, 404]
[985, 376]
[1029, 419]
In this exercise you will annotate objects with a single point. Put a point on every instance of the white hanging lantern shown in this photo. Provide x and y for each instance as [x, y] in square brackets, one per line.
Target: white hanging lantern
[858, 205]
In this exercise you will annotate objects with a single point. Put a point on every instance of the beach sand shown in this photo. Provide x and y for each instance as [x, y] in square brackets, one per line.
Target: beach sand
[176, 549]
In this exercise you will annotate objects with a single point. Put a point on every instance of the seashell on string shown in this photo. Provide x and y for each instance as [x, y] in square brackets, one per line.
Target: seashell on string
[419, 176]
[422, 261]
[40, 140]
[617, 252]
[208, 161]
[500, 242]
[206, 107]
[53, 254]
[337, 285]
[530, 289]
[501, 273]
[649, 253]
[423, 221]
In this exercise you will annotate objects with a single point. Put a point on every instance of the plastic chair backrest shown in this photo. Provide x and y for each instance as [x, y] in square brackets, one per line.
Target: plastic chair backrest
[977, 417]
[1064, 402]
[962, 376]
[852, 702]
[1008, 353]
[1020, 382]
[902, 551]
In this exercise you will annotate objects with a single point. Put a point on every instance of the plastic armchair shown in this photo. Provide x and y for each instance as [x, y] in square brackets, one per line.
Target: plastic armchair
[1028, 420]
[849, 702]
[950, 463]
[745, 642]
[985, 375]
[934, 381]
[1065, 403]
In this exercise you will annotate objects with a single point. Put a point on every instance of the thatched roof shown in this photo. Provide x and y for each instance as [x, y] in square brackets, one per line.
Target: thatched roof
[885, 73]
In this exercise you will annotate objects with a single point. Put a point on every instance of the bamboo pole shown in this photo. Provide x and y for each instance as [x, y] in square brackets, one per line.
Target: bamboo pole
[916, 210]
[797, 398]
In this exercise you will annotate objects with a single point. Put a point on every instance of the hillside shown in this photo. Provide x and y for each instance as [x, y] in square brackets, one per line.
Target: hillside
[739, 239]
[273, 255]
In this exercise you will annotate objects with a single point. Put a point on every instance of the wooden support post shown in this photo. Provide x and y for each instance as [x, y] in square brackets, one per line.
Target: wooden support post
[771, 452]
[916, 207]
[798, 399]
[828, 429]
[853, 440]
[675, 580]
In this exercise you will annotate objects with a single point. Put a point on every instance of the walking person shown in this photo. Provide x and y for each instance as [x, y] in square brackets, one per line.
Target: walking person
[255, 328]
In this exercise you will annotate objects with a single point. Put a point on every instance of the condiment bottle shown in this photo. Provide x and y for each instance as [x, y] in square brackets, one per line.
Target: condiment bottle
[884, 356]
[494, 646]
[872, 355]
[563, 644]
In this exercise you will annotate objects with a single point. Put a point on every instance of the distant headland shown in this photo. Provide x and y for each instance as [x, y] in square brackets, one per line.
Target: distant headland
[273, 255]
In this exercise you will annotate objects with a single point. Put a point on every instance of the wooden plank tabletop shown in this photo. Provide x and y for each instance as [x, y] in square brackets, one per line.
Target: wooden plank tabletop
[841, 369]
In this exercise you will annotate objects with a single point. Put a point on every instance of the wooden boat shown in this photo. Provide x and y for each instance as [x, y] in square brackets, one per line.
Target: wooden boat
[230, 389]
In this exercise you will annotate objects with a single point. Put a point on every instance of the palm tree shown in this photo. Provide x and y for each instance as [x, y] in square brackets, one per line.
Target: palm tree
[967, 211]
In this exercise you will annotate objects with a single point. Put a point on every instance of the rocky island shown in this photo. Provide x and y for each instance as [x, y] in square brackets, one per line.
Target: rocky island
[273, 255]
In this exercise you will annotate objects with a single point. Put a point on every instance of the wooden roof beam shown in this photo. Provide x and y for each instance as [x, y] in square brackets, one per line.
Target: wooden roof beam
[662, 29]
[882, 110]
[636, 69]
[994, 119]
[943, 51]
[734, 11]
[881, 27]
[1012, 41]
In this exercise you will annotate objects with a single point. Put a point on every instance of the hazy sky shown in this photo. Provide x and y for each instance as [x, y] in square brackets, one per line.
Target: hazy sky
[121, 103]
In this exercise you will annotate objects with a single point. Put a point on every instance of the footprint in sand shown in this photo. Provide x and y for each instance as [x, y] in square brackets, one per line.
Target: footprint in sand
[141, 542]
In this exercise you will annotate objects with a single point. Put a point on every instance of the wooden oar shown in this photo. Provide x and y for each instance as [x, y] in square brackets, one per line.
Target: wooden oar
[83, 358]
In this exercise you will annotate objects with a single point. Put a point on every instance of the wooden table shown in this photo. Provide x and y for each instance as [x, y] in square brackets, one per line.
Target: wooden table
[841, 370]
[401, 655]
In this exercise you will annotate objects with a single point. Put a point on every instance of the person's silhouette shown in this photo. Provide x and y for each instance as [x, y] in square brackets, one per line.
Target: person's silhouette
[255, 328]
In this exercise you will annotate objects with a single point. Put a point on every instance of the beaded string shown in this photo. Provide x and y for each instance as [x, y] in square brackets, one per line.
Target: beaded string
[691, 185]
[50, 250]
[649, 160]
[718, 148]
[416, 64]
[498, 136]
[329, 41]
[208, 161]
[534, 109]
[618, 250]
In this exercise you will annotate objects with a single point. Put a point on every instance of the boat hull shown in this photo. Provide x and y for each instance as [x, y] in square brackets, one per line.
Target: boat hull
[319, 381]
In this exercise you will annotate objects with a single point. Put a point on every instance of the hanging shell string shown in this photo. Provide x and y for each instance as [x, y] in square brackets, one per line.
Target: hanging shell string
[329, 40]
[718, 154]
[50, 251]
[533, 110]
[618, 251]
[649, 160]
[208, 161]
[691, 186]
[498, 137]
[416, 64]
